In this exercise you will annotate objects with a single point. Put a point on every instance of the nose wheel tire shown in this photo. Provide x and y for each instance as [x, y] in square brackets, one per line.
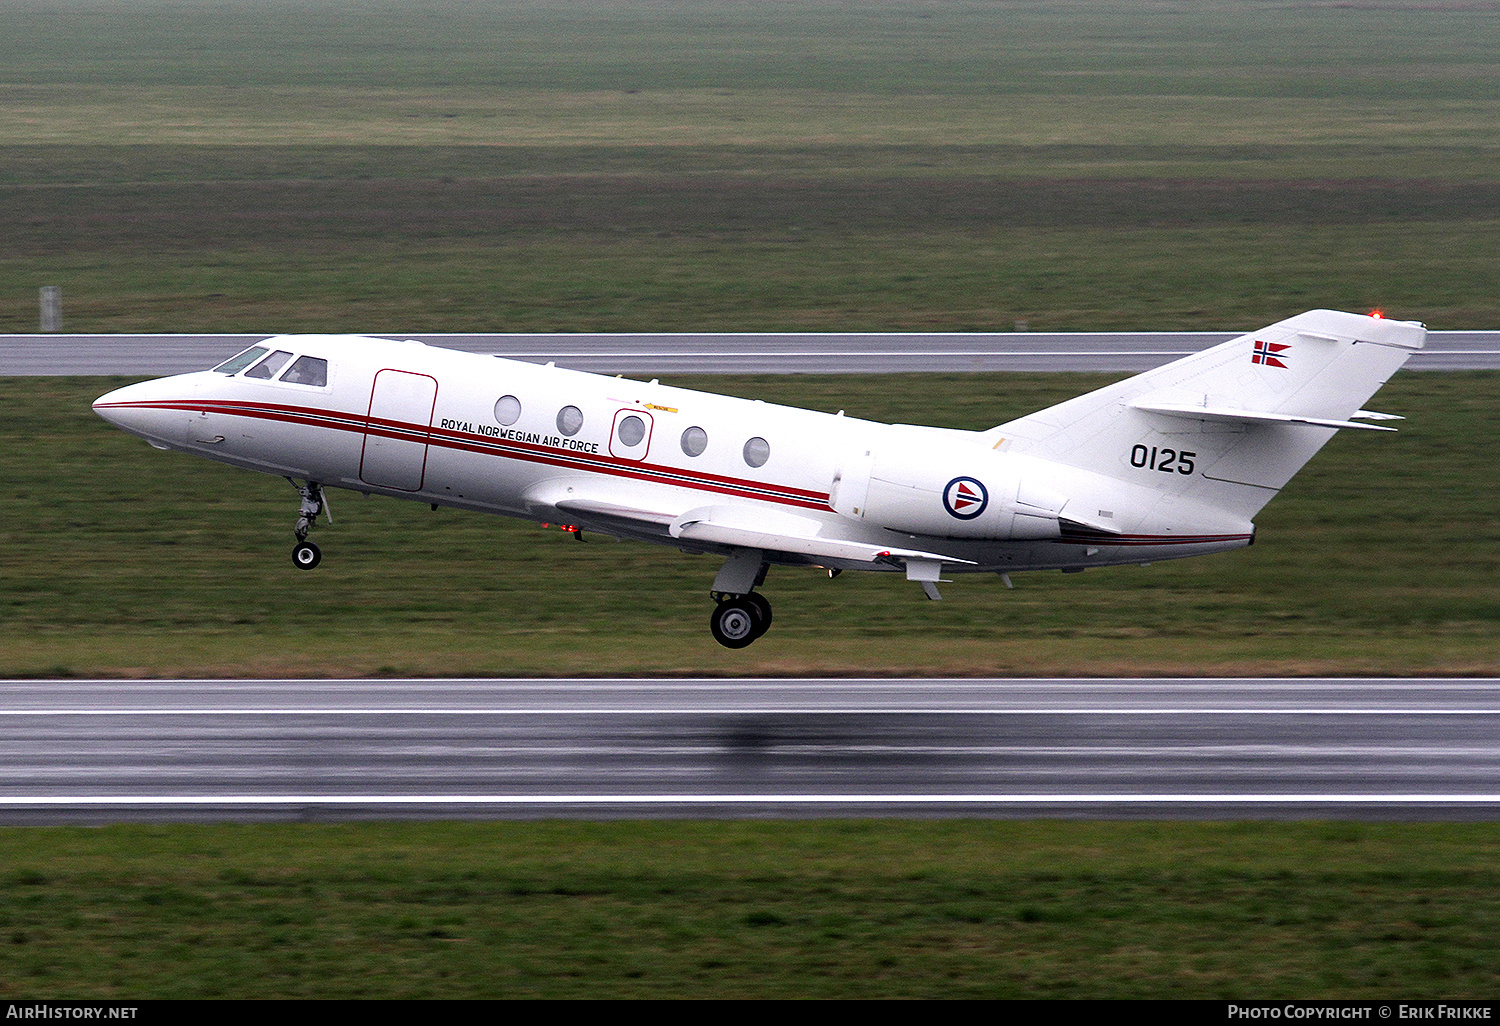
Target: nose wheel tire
[306, 555]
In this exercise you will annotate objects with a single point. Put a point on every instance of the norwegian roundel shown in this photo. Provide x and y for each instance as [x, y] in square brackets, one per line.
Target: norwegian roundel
[965, 498]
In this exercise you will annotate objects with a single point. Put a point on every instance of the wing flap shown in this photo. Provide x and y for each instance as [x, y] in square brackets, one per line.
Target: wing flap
[772, 531]
[584, 498]
[596, 507]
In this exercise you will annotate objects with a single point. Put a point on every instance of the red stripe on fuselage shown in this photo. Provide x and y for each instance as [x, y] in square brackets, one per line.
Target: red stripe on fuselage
[527, 452]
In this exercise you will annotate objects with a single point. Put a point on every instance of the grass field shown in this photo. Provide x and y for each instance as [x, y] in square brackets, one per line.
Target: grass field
[1372, 48]
[118, 559]
[863, 909]
[637, 165]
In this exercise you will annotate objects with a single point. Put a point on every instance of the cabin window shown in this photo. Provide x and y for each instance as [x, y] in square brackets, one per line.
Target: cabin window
[694, 441]
[507, 410]
[308, 370]
[569, 420]
[268, 367]
[631, 430]
[235, 364]
[757, 451]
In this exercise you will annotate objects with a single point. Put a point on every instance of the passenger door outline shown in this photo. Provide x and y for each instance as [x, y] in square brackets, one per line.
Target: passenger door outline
[397, 428]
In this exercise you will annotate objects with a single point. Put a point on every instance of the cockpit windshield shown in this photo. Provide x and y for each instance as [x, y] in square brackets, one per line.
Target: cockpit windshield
[308, 370]
[268, 367]
[235, 364]
[305, 370]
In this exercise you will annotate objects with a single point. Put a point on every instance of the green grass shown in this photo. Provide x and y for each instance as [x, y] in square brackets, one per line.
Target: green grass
[762, 118]
[634, 166]
[118, 559]
[864, 909]
[1224, 277]
[1250, 48]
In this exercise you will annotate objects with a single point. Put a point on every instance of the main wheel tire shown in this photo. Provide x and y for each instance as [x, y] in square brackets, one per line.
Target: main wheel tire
[306, 555]
[734, 623]
[761, 607]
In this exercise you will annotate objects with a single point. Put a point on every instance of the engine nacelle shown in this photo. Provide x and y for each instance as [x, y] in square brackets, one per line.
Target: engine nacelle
[948, 491]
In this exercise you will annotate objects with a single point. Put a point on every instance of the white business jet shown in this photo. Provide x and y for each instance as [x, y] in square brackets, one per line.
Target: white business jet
[1170, 463]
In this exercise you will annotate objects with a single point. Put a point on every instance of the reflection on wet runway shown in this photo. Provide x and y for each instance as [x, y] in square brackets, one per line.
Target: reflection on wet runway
[81, 751]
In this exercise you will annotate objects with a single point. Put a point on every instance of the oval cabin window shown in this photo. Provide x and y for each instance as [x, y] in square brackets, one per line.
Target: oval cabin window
[757, 451]
[507, 410]
[632, 430]
[569, 420]
[694, 441]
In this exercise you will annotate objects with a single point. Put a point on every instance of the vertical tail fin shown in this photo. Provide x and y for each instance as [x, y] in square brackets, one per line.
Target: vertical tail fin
[1228, 426]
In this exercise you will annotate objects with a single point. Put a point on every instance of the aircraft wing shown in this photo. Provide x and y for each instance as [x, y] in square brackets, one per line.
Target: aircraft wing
[643, 513]
[583, 498]
[736, 526]
[747, 528]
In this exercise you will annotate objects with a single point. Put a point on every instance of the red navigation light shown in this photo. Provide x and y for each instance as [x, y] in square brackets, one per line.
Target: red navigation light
[1377, 313]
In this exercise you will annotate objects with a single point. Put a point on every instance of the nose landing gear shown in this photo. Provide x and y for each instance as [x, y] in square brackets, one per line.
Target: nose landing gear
[306, 555]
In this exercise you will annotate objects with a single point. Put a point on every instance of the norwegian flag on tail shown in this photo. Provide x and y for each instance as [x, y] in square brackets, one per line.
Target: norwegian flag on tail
[1269, 353]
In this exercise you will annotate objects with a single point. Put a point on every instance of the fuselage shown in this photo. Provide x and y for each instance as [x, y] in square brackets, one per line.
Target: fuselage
[629, 458]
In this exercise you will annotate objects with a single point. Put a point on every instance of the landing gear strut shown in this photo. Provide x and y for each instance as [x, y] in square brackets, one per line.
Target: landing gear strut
[306, 555]
[737, 620]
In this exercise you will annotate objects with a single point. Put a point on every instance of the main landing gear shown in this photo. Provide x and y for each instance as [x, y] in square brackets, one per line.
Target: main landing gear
[740, 614]
[306, 555]
[737, 620]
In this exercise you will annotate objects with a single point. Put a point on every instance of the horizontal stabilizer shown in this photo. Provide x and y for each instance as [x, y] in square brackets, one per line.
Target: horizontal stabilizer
[1230, 414]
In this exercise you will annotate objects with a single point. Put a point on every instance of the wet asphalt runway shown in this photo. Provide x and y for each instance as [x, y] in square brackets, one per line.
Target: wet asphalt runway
[105, 751]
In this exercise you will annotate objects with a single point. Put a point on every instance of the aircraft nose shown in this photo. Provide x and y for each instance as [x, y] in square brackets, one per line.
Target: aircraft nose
[154, 410]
